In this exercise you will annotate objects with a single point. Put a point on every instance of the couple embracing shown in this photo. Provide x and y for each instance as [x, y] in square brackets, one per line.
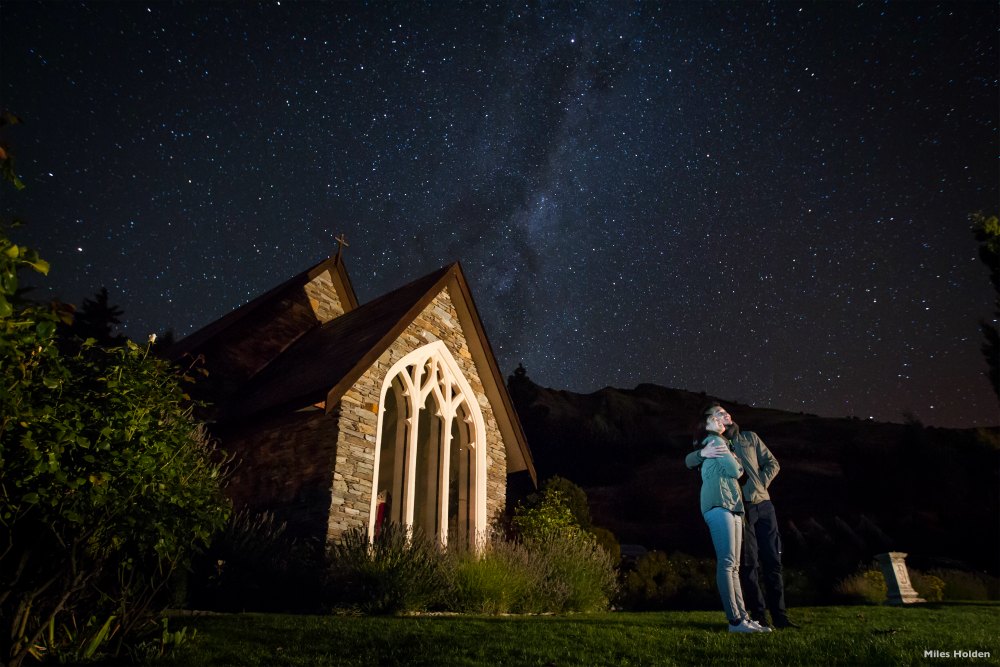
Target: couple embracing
[741, 520]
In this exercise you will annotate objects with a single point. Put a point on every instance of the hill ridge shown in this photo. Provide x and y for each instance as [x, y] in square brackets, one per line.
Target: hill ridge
[856, 485]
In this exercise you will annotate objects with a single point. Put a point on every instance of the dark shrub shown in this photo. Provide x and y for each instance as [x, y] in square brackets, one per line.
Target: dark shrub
[254, 565]
[396, 572]
[867, 586]
[677, 581]
[963, 585]
[928, 586]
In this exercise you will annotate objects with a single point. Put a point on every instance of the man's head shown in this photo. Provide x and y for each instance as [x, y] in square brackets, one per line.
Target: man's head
[718, 411]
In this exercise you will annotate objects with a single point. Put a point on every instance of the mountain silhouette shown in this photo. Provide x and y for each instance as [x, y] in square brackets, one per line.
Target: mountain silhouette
[847, 489]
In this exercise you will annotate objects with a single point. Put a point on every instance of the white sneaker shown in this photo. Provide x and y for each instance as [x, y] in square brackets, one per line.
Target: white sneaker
[743, 627]
[757, 626]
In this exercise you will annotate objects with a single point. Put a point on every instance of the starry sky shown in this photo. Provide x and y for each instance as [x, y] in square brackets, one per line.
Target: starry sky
[764, 201]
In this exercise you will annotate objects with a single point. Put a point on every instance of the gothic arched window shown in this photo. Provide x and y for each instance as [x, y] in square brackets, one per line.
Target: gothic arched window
[430, 463]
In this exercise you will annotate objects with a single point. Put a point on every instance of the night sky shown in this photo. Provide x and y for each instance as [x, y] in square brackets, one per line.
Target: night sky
[764, 201]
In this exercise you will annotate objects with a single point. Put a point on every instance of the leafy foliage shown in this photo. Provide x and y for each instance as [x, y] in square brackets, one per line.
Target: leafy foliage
[108, 484]
[579, 575]
[652, 583]
[7, 171]
[987, 232]
[555, 524]
[609, 543]
[558, 506]
[928, 586]
[548, 516]
[402, 572]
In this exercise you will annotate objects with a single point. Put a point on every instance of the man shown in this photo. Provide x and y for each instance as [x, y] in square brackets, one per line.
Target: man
[761, 537]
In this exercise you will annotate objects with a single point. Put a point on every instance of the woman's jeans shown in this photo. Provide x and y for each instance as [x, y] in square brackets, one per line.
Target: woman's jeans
[727, 537]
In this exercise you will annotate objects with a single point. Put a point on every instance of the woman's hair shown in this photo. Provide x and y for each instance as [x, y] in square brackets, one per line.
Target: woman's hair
[698, 431]
[708, 406]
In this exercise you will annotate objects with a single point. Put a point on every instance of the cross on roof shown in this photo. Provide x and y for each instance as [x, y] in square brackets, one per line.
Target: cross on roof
[341, 244]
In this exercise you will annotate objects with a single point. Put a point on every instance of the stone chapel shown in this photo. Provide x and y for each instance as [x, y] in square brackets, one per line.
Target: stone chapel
[344, 415]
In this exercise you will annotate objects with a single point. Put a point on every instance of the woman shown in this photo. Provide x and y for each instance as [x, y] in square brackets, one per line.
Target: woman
[722, 507]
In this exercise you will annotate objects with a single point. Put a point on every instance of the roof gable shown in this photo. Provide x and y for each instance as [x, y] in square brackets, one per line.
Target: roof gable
[238, 345]
[347, 345]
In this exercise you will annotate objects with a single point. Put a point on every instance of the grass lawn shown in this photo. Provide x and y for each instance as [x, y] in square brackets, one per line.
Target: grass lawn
[829, 636]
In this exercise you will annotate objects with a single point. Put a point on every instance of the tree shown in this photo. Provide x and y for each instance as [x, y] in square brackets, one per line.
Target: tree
[107, 485]
[575, 497]
[558, 504]
[97, 318]
[987, 232]
[520, 386]
[546, 516]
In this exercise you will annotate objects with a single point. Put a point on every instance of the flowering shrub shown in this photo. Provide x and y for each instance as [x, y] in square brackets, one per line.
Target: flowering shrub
[396, 572]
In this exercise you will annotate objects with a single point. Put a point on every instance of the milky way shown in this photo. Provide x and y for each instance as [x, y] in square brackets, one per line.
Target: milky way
[767, 202]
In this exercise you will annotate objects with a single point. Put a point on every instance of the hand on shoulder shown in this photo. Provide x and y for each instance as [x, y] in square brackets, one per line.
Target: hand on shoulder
[715, 447]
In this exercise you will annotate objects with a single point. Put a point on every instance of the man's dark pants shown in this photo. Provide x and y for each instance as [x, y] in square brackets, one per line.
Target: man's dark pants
[761, 563]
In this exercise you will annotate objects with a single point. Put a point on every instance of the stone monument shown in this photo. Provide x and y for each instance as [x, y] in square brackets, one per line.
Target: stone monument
[897, 578]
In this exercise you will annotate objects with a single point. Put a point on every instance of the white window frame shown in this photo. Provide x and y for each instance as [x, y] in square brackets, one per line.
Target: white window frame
[452, 391]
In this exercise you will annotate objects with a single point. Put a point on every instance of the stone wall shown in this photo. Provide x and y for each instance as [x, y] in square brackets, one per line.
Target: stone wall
[323, 298]
[358, 419]
[285, 465]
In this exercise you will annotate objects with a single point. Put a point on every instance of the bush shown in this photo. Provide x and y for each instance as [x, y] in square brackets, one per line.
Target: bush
[864, 587]
[962, 585]
[254, 565]
[652, 583]
[109, 484]
[506, 577]
[576, 573]
[569, 572]
[576, 566]
[928, 586]
[574, 498]
[549, 514]
[801, 588]
[609, 543]
[552, 565]
[396, 572]
[659, 581]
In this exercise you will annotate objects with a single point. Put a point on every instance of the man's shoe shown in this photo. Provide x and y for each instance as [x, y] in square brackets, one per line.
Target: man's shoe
[760, 627]
[784, 622]
[744, 627]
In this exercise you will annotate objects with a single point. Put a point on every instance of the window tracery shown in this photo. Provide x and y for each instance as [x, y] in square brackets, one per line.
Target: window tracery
[430, 462]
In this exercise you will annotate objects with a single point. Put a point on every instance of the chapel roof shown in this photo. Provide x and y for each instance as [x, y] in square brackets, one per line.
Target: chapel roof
[214, 330]
[345, 344]
[328, 358]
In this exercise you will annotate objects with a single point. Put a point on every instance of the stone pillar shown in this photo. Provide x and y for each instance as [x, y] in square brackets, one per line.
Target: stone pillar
[897, 578]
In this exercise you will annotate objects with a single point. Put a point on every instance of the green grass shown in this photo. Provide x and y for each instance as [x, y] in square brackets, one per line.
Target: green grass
[859, 635]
